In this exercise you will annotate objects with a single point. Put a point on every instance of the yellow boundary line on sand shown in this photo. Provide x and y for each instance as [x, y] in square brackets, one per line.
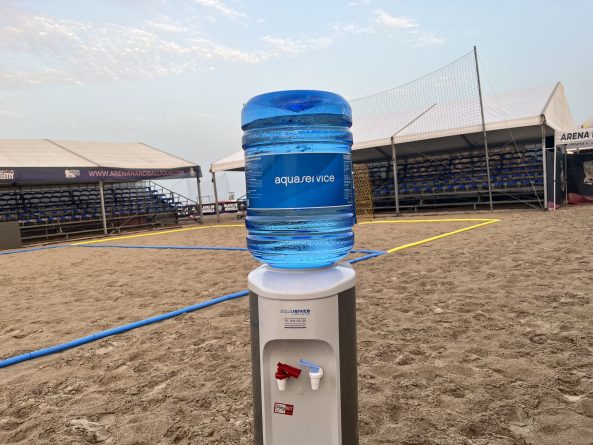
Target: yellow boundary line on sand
[160, 232]
[483, 222]
[404, 221]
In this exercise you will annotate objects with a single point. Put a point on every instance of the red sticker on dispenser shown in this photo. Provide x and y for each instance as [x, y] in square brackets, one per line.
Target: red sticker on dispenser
[283, 408]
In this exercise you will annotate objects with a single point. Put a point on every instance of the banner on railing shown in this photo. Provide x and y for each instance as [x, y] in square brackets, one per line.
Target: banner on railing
[224, 207]
[60, 175]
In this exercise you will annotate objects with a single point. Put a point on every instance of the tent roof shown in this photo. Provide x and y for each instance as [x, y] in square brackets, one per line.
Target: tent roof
[40, 153]
[513, 109]
[234, 162]
[521, 111]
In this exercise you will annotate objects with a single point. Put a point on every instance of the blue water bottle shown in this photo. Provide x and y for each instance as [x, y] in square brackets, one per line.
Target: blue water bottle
[298, 168]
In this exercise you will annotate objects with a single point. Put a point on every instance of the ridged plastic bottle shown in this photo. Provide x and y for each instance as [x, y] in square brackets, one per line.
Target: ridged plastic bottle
[298, 167]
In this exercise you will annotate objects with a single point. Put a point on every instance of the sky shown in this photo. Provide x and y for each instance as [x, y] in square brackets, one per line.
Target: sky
[175, 73]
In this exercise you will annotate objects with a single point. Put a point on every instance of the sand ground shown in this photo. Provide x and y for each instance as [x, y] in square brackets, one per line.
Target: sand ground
[485, 337]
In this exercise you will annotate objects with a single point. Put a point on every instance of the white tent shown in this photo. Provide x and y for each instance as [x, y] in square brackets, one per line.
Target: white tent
[50, 162]
[234, 162]
[45, 153]
[524, 112]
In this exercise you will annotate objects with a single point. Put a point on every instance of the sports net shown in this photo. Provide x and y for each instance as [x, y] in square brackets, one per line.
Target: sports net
[443, 103]
[439, 103]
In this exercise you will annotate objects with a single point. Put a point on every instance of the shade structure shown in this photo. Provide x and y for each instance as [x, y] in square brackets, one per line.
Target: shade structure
[523, 112]
[234, 162]
[45, 161]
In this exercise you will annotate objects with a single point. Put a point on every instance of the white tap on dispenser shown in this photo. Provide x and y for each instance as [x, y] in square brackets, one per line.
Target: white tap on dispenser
[315, 373]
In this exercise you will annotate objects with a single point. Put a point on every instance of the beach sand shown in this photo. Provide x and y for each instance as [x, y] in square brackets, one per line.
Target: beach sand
[484, 337]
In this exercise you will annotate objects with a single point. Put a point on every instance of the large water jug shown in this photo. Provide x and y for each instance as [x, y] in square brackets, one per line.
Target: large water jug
[298, 168]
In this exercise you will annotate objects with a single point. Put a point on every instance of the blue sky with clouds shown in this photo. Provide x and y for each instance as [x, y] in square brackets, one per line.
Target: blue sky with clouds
[175, 73]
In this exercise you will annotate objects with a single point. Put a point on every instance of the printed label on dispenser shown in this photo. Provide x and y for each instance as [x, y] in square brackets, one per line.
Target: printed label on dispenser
[295, 318]
[294, 323]
[299, 180]
[283, 408]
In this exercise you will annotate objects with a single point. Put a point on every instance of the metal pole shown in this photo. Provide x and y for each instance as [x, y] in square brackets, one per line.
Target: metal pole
[545, 162]
[484, 130]
[199, 200]
[565, 182]
[103, 215]
[555, 156]
[395, 182]
[215, 197]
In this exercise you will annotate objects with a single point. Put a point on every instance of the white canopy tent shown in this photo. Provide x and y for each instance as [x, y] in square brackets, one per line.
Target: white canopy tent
[51, 162]
[46, 153]
[234, 162]
[531, 113]
[523, 111]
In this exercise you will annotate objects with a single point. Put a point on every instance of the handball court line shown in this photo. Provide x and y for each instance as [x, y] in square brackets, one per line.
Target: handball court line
[160, 232]
[158, 318]
[483, 222]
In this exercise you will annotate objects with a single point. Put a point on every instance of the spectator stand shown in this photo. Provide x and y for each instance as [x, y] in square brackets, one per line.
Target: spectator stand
[61, 189]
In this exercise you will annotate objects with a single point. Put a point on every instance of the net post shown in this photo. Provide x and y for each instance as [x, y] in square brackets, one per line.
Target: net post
[544, 161]
[215, 196]
[199, 200]
[395, 181]
[484, 130]
[555, 173]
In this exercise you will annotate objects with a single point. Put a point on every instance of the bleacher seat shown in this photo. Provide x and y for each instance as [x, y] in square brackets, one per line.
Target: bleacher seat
[464, 172]
[66, 205]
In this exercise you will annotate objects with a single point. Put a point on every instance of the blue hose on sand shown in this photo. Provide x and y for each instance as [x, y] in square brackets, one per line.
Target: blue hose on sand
[128, 327]
[32, 249]
[119, 330]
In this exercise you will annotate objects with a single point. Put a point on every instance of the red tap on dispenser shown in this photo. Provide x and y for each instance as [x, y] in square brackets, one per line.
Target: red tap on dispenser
[287, 370]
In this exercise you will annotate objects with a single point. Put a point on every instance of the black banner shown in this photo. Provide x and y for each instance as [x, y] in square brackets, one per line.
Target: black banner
[61, 175]
[225, 207]
[580, 178]
[560, 178]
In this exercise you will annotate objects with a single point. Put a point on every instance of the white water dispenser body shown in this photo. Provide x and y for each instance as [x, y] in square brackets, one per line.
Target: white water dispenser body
[303, 332]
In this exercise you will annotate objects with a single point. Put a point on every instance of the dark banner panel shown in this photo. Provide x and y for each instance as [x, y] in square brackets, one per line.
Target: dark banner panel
[60, 175]
[580, 177]
[225, 207]
[10, 235]
[560, 182]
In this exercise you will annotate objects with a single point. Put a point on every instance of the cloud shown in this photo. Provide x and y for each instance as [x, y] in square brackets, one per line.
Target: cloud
[385, 19]
[222, 8]
[410, 30]
[291, 46]
[426, 39]
[166, 27]
[284, 45]
[39, 49]
[353, 28]
[10, 114]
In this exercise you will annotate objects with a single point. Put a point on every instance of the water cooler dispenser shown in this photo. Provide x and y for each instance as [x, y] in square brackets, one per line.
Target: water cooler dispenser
[302, 299]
